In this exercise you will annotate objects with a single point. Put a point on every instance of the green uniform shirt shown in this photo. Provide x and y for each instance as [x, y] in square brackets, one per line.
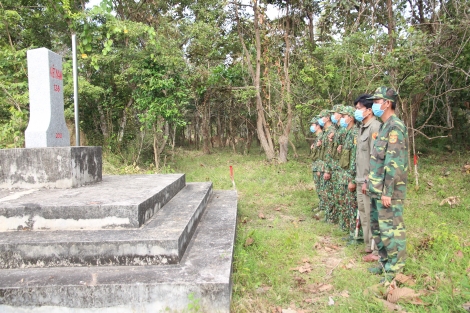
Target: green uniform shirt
[317, 152]
[365, 141]
[389, 161]
[327, 149]
[348, 154]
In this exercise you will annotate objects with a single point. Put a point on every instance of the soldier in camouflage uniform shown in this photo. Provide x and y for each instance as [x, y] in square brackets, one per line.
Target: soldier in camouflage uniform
[326, 189]
[347, 162]
[317, 161]
[387, 184]
[336, 198]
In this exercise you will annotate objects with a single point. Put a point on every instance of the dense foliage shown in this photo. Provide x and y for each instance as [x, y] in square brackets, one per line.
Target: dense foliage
[158, 74]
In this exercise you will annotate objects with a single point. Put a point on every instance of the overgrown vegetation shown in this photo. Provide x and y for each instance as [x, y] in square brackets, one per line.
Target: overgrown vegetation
[161, 74]
[285, 258]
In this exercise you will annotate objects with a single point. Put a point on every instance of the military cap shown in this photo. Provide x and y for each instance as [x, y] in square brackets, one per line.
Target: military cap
[348, 110]
[324, 113]
[384, 93]
[336, 108]
[314, 120]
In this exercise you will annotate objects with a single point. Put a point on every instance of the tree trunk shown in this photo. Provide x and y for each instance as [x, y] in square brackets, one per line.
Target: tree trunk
[205, 124]
[103, 122]
[284, 138]
[123, 123]
[264, 134]
[156, 155]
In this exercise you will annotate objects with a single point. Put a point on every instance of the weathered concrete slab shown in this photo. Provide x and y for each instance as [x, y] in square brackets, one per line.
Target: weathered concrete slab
[162, 240]
[202, 277]
[58, 167]
[119, 201]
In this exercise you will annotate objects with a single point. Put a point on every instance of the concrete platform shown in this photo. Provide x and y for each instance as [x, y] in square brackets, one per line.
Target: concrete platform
[202, 279]
[118, 201]
[51, 167]
[162, 240]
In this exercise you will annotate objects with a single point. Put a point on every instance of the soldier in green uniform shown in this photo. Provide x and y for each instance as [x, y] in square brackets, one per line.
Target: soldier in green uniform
[347, 162]
[387, 184]
[326, 168]
[338, 176]
[368, 131]
[317, 161]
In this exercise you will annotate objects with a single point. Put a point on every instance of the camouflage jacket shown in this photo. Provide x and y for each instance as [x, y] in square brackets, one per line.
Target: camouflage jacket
[349, 152]
[389, 161]
[317, 152]
[327, 145]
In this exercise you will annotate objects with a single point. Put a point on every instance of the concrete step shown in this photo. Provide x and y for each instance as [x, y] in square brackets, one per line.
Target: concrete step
[202, 280]
[124, 201]
[161, 241]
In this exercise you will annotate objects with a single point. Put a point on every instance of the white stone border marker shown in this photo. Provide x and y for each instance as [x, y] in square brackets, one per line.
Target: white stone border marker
[46, 126]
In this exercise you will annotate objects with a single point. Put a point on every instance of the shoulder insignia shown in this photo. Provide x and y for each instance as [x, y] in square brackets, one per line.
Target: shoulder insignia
[393, 136]
[374, 135]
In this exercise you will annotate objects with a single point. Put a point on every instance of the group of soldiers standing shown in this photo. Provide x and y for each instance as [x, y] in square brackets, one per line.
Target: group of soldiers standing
[360, 173]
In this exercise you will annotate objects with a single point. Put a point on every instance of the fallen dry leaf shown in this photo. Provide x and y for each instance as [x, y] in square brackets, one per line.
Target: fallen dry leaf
[466, 306]
[326, 287]
[317, 245]
[345, 294]
[261, 215]
[430, 184]
[390, 306]
[406, 280]
[249, 241]
[450, 201]
[396, 294]
[277, 209]
[305, 260]
[459, 254]
[288, 310]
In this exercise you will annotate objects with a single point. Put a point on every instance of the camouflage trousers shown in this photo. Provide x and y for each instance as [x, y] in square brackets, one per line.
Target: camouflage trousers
[318, 181]
[332, 195]
[389, 234]
[348, 205]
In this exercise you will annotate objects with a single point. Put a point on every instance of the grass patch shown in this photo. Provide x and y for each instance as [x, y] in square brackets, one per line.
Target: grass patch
[277, 234]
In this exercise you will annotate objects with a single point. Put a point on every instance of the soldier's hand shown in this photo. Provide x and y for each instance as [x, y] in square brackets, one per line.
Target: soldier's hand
[327, 176]
[386, 201]
[312, 146]
[319, 143]
[364, 188]
[340, 147]
[351, 187]
[330, 136]
[318, 174]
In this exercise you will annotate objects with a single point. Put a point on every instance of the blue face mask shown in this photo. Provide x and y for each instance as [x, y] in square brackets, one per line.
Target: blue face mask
[333, 119]
[343, 123]
[376, 109]
[313, 129]
[321, 122]
[359, 115]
